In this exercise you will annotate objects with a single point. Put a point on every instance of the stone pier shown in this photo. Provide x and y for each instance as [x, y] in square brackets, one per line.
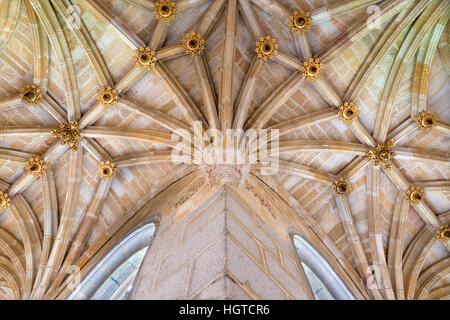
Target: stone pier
[221, 250]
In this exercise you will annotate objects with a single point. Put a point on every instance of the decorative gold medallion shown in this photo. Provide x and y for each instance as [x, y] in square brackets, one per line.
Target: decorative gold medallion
[382, 154]
[5, 202]
[68, 133]
[165, 10]
[193, 43]
[300, 21]
[415, 194]
[348, 112]
[342, 187]
[36, 166]
[106, 170]
[266, 48]
[312, 69]
[145, 58]
[31, 95]
[107, 96]
[443, 234]
[427, 120]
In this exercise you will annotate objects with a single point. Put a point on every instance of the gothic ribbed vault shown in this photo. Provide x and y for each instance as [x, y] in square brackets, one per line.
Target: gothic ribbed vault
[358, 90]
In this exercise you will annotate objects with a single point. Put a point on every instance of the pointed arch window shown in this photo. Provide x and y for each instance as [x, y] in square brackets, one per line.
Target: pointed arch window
[323, 280]
[112, 277]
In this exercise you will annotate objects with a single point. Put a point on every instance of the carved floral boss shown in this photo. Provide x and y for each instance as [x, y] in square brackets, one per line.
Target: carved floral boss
[165, 11]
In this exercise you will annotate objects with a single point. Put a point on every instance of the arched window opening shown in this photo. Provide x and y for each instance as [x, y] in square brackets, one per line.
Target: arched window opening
[323, 280]
[112, 277]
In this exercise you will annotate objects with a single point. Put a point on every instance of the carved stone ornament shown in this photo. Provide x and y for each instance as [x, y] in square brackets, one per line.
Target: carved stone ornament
[107, 96]
[145, 58]
[348, 112]
[300, 21]
[226, 174]
[382, 154]
[415, 194]
[443, 234]
[190, 192]
[106, 170]
[5, 202]
[36, 166]
[31, 95]
[312, 69]
[342, 187]
[264, 202]
[266, 48]
[427, 120]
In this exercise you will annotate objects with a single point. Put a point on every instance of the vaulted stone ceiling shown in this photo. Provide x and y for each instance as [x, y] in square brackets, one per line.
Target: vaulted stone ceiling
[61, 208]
